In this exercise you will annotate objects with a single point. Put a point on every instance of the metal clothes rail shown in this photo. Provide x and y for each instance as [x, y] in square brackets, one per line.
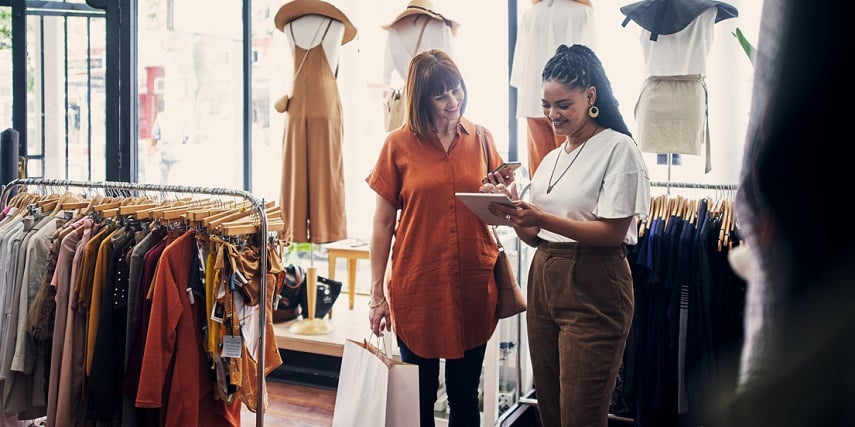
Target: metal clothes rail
[669, 185]
[257, 204]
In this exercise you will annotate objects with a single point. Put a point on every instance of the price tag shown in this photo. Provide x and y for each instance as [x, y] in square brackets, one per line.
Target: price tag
[232, 346]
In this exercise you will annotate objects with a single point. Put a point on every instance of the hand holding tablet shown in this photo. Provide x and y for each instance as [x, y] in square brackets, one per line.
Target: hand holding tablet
[479, 203]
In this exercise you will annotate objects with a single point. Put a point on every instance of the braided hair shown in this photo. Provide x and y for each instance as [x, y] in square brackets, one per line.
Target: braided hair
[577, 67]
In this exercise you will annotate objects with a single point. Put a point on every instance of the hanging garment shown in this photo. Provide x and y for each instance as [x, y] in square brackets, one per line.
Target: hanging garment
[312, 167]
[544, 27]
[671, 110]
[672, 115]
[174, 339]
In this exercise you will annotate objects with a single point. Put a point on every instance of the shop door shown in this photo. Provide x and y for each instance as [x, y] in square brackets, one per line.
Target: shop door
[65, 96]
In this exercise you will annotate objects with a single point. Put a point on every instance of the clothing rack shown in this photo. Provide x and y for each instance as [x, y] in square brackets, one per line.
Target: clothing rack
[668, 185]
[257, 204]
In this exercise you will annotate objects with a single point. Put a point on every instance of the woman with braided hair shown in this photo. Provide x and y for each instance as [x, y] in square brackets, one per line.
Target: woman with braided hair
[585, 201]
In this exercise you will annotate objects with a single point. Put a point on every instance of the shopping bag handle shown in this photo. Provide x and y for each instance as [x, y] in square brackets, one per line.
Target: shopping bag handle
[380, 348]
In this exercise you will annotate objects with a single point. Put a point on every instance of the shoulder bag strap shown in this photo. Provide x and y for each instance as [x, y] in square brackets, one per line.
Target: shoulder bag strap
[306, 55]
[483, 139]
[419, 41]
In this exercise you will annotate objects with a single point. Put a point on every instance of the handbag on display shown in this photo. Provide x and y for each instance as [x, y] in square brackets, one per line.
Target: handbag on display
[511, 299]
[326, 293]
[394, 112]
[289, 284]
[291, 298]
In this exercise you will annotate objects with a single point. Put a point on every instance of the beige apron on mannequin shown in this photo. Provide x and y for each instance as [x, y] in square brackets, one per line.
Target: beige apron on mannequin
[312, 171]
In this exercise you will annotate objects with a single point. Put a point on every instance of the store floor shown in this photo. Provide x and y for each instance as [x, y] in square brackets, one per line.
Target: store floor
[302, 391]
[300, 405]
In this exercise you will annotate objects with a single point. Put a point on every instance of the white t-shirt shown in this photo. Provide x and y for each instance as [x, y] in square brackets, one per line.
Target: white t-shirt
[608, 180]
[682, 53]
[544, 27]
[401, 43]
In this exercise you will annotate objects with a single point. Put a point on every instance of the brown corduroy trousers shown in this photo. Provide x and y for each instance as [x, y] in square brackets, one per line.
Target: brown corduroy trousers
[580, 308]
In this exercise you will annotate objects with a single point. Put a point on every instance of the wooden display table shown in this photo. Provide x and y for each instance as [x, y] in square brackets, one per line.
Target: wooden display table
[353, 251]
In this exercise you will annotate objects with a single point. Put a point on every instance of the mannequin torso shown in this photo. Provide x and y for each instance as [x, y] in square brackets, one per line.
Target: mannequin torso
[403, 42]
[306, 32]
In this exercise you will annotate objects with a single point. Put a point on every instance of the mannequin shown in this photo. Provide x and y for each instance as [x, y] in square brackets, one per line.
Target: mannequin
[406, 38]
[306, 32]
[671, 110]
[312, 189]
[418, 28]
[544, 27]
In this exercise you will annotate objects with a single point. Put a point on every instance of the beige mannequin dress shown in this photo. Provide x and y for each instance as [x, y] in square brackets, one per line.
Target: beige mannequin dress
[312, 171]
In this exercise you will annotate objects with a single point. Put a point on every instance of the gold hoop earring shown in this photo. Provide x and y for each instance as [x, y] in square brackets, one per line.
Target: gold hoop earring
[593, 111]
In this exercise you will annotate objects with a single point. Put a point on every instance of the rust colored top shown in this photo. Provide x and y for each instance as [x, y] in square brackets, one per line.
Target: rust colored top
[174, 374]
[442, 296]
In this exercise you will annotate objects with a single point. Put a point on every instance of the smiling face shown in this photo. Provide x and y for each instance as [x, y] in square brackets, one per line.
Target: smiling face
[566, 108]
[445, 107]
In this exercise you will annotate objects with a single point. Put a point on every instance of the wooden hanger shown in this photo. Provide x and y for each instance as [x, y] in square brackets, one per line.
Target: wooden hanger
[181, 211]
[215, 208]
[213, 222]
[645, 222]
[723, 233]
[241, 227]
[155, 212]
[200, 214]
[134, 208]
[22, 202]
[251, 225]
[48, 203]
[107, 203]
[65, 199]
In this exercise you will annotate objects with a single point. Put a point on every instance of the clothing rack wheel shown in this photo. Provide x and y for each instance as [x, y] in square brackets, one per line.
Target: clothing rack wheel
[258, 204]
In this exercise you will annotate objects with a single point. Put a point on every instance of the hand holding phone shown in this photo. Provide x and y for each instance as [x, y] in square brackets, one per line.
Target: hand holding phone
[507, 169]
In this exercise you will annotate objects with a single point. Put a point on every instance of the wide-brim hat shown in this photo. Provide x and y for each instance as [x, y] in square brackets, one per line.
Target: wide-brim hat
[585, 2]
[297, 8]
[670, 16]
[422, 7]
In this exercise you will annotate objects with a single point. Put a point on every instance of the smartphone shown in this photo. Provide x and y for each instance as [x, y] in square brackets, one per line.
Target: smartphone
[507, 169]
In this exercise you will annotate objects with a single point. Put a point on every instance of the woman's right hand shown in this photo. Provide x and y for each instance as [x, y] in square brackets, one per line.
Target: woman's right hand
[379, 316]
[496, 183]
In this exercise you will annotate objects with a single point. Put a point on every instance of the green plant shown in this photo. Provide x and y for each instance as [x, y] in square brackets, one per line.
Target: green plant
[746, 45]
[297, 250]
[5, 28]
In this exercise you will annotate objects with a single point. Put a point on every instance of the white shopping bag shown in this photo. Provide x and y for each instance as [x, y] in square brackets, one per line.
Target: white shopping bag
[375, 390]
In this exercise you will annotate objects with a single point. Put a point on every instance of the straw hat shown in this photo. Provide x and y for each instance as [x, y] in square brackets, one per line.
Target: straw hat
[422, 7]
[297, 8]
[586, 2]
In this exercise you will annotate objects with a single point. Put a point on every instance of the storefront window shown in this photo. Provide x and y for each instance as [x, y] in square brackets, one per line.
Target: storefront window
[190, 93]
[65, 97]
[6, 67]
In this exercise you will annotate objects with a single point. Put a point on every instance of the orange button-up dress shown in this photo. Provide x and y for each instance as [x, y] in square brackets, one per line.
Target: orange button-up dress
[441, 293]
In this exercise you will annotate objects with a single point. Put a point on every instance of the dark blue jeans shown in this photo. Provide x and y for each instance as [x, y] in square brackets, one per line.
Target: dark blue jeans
[462, 377]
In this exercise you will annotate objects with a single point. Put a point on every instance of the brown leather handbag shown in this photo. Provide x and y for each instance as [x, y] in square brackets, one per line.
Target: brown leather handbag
[511, 299]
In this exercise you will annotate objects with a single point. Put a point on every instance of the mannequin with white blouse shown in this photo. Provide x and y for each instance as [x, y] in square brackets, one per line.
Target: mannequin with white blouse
[409, 36]
[416, 29]
[543, 27]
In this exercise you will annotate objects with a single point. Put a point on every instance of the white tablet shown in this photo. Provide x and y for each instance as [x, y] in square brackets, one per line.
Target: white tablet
[479, 203]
